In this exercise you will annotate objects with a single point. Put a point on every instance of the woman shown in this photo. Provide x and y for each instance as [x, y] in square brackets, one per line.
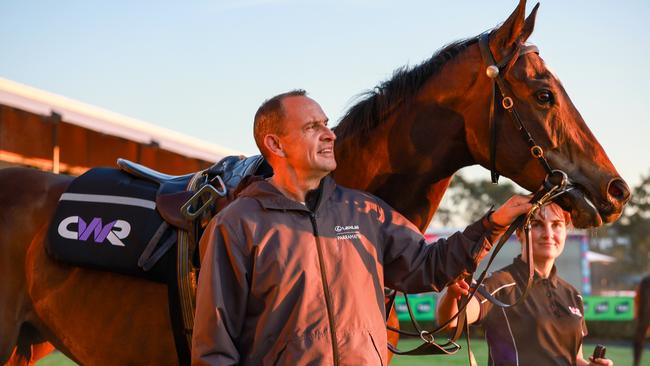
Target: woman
[548, 327]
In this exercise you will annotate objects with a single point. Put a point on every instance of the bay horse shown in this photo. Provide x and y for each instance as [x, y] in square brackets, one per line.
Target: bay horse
[642, 315]
[403, 142]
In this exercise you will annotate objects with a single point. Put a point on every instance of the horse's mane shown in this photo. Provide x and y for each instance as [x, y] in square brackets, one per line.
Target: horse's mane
[374, 104]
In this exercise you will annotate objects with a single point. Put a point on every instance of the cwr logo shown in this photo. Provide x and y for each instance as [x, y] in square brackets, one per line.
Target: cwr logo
[113, 231]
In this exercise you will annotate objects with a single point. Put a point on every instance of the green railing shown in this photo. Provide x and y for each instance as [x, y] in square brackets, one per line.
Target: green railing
[423, 306]
[609, 308]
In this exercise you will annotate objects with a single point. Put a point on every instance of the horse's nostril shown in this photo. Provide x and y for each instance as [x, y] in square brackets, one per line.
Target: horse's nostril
[618, 190]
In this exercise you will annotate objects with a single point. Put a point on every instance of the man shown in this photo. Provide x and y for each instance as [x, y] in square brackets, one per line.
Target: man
[295, 268]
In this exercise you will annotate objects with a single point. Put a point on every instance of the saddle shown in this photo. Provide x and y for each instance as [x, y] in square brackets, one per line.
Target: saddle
[173, 192]
[127, 220]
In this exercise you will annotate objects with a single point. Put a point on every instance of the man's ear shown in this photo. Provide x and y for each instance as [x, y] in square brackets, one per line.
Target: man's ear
[273, 145]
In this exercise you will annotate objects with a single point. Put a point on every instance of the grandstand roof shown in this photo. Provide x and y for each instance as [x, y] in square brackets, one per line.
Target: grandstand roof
[94, 118]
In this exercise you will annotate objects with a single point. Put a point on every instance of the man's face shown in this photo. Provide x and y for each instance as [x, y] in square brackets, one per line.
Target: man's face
[307, 141]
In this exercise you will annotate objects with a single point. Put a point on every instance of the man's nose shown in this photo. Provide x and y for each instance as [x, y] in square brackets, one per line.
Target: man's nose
[328, 135]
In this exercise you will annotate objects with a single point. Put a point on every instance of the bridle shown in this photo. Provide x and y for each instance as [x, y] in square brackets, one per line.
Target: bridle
[555, 184]
[556, 181]
[493, 71]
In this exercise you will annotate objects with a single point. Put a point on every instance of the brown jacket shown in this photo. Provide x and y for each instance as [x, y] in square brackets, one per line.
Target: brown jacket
[282, 285]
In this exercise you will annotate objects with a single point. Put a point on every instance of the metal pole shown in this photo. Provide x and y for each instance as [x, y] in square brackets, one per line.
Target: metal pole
[55, 118]
[584, 265]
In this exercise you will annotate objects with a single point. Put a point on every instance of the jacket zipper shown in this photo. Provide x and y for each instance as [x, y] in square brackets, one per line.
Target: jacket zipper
[328, 298]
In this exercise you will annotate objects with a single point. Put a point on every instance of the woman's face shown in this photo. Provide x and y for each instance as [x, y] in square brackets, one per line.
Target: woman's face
[548, 233]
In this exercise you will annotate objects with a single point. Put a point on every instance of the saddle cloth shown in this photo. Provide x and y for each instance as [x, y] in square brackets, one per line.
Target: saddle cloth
[105, 220]
[126, 220]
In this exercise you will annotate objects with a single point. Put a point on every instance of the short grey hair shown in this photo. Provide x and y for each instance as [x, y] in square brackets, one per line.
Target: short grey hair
[269, 116]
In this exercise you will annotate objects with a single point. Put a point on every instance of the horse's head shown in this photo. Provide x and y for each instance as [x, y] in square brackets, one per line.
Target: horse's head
[553, 122]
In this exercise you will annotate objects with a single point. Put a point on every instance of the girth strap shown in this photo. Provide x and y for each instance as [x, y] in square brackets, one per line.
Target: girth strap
[151, 255]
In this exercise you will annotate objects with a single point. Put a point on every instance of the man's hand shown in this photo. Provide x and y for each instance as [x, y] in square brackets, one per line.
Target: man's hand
[509, 211]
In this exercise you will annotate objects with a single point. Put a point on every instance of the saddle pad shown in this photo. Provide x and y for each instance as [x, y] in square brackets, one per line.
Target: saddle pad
[104, 220]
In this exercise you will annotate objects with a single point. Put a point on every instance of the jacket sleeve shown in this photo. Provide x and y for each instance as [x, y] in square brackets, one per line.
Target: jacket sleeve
[412, 265]
[221, 297]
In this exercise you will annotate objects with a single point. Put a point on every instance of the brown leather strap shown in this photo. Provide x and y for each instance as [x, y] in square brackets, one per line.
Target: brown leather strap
[498, 83]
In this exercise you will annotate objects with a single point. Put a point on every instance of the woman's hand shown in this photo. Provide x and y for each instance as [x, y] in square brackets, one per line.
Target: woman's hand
[600, 362]
[458, 289]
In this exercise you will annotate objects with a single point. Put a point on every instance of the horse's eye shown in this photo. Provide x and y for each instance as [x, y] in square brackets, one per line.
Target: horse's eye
[544, 96]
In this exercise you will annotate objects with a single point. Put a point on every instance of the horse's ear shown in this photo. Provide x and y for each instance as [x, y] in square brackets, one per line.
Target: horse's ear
[514, 31]
[529, 24]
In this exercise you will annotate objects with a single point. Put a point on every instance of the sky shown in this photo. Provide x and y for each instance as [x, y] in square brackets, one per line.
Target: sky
[202, 68]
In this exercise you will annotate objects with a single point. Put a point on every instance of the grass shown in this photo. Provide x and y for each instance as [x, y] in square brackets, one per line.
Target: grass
[479, 347]
[55, 358]
[620, 353]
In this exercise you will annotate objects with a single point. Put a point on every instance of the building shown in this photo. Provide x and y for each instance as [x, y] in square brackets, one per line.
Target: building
[55, 133]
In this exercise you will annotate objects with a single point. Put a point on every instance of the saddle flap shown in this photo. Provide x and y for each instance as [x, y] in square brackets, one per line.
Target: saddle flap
[169, 207]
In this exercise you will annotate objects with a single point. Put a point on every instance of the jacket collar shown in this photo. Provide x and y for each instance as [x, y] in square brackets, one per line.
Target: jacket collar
[522, 269]
[271, 198]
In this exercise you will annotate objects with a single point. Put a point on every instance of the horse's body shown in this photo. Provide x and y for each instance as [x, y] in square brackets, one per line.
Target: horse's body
[642, 306]
[403, 143]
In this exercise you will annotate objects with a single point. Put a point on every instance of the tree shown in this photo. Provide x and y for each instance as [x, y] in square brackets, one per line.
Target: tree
[465, 201]
[634, 224]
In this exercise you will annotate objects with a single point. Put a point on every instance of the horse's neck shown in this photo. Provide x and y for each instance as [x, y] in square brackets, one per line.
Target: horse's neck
[407, 160]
